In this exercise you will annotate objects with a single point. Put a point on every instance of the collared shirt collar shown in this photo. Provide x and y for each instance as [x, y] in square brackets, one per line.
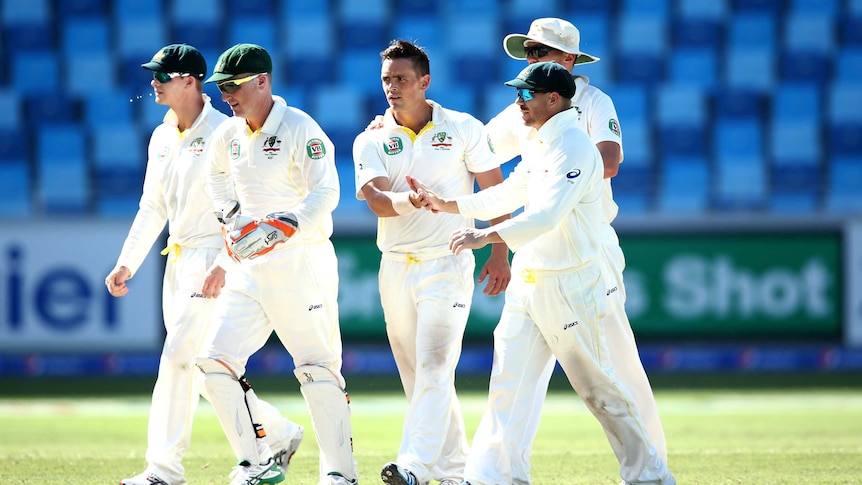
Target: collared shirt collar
[554, 126]
[276, 114]
[171, 118]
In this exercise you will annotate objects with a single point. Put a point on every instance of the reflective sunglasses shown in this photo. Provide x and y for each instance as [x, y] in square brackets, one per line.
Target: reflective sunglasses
[527, 94]
[538, 51]
[165, 77]
[233, 85]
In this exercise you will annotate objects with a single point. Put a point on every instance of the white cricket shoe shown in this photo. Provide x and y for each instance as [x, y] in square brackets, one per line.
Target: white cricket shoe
[335, 478]
[284, 448]
[244, 473]
[145, 478]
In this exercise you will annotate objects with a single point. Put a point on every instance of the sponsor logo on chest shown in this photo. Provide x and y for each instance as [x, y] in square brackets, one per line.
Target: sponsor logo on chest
[441, 141]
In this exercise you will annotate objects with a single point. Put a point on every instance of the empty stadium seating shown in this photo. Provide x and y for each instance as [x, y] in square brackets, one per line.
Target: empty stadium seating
[725, 105]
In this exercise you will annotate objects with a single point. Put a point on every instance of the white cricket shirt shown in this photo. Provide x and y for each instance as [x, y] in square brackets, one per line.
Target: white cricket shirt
[596, 116]
[288, 165]
[175, 189]
[559, 183]
[444, 155]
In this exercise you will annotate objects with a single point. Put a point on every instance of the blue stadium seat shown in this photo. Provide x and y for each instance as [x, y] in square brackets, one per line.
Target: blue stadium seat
[844, 119]
[86, 35]
[111, 107]
[125, 10]
[660, 8]
[53, 108]
[808, 44]
[848, 65]
[851, 29]
[738, 138]
[715, 10]
[456, 9]
[151, 115]
[341, 111]
[35, 73]
[204, 36]
[641, 46]
[816, 7]
[772, 7]
[118, 145]
[81, 8]
[796, 101]
[63, 182]
[308, 47]
[682, 120]
[423, 31]
[89, 72]
[494, 100]
[15, 187]
[28, 36]
[422, 8]
[684, 186]
[638, 149]
[364, 24]
[478, 66]
[10, 108]
[521, 11]
[854, 7]
[793, 202]
[694, 67]
[732, 103]
[578, 7]
[14, 142]
[596, 41]
[741, 183]
[697, 32]
[138, 38]
[361, 69]
[795, 151]
[294, 10]
[750, 68]
[845, 178]
[754, 30]
[202, 11]
[632, 102]
[29, 11]
[253, 29]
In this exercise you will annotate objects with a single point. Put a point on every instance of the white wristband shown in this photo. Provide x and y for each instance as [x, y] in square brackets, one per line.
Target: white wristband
[401, 203]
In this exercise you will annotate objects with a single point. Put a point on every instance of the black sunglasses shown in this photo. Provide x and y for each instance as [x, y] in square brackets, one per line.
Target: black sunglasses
[538, 51]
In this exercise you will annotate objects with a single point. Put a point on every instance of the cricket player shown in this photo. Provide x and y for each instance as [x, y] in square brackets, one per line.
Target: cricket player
[175, 192]
[557, 305]
[553, 39]
[425, 290]
[272, 174]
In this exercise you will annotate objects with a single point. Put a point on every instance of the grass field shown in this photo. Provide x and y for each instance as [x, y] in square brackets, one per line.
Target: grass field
[783, 435]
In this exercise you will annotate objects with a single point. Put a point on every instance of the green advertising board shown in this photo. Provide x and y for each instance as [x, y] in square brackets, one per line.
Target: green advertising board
[773, 286]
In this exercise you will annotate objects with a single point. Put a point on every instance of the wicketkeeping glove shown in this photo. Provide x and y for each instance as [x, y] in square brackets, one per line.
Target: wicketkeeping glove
[260, 236]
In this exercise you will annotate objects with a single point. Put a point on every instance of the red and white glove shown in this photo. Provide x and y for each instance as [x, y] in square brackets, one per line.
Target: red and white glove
[260, 236]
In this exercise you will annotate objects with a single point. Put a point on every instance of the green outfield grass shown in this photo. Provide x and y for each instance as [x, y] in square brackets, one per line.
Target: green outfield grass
[721, 435]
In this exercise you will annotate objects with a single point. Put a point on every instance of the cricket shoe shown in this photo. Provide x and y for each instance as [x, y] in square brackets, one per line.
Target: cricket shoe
[284, 449]
[393, 474]
[244, 473]
[145, 478]
[449, 481]
[336, 478]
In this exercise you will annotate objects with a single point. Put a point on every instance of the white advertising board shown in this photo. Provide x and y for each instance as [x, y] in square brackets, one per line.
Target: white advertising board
[53, 296]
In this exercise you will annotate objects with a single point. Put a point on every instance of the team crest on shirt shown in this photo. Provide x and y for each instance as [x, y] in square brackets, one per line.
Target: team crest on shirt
[315, 148]
[196, 147]
[271, 147]
[441, 141]
[614, 126]
[393, 146]
[233, 149]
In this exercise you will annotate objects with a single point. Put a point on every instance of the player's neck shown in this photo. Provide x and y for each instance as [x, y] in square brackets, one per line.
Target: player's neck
[188, 111]
[416, 118]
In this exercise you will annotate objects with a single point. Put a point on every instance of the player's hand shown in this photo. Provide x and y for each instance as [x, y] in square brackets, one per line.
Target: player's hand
[213, 282]
[497, 271]
[426, 197]
[375, 124]
[467, 238]
[116, 281]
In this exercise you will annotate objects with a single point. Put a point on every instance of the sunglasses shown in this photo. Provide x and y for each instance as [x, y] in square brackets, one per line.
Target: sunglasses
[165, 77]
[527, 94]
[538, 51]
[233, 85]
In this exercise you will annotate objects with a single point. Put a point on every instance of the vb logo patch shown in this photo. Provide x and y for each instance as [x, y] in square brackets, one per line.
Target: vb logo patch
[393, 146]
[315, 148]
[614, 126]
[233, 149]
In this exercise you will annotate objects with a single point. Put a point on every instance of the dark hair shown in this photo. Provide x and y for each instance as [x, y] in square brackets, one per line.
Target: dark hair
[401, 49]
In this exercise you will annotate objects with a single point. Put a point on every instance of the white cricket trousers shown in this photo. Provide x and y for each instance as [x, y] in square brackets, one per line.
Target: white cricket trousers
[293, 291]
[558, 314]
[426, 301]
[177, 391]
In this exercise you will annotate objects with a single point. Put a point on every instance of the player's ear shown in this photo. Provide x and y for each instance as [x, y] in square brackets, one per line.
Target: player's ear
[425, 81]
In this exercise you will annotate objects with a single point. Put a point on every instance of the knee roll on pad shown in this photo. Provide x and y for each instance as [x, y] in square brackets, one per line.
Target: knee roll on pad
[209, 365]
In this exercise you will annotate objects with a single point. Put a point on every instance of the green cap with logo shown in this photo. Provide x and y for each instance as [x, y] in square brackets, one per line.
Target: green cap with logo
[239, 59]
[181, 58]
[547, 77]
